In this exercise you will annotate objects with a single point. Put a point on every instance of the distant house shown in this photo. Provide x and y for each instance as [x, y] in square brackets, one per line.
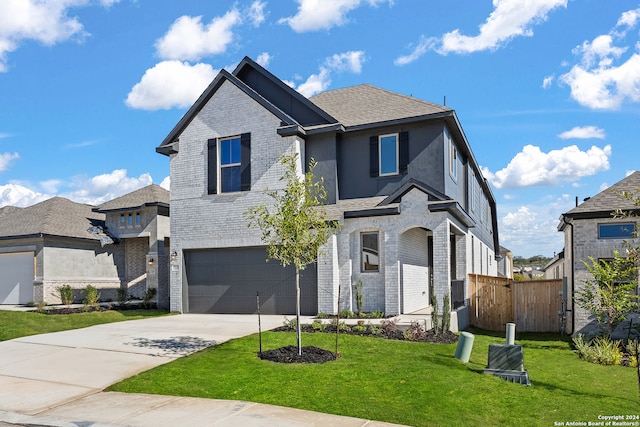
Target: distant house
[120, 244]
[554, 269]
[590, 230]
[505, 263]
[417, 215]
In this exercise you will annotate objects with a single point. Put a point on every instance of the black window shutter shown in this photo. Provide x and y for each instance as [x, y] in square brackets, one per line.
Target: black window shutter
[245, 162]
[403, 150]
[212, 165]
[374, 168]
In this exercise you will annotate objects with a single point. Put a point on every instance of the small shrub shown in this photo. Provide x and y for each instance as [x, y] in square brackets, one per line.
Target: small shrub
[347, 314]
[323, 315]
[446, 314]
[317, 325]
[374, 329]
[606, 351]
[30, 304]
[290, 324]
[91, 297]
[66, 294]
[357, 289]
[40, 306]
[376, 314]
[416, 332]
[582, 347]
[148, 297]
[342, 325]
[389, 326]
[601, 350]
[359, 328]
[360, 322]
[122, 295]
[434, 313]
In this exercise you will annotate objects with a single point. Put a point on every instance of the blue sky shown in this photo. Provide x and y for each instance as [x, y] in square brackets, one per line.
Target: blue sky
[547, 91]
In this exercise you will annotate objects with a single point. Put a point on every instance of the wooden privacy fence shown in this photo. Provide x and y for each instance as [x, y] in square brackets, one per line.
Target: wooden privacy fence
[532, 305]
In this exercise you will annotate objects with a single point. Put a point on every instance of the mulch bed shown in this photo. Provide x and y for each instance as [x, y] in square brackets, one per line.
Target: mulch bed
[88, 309]
[311, 354]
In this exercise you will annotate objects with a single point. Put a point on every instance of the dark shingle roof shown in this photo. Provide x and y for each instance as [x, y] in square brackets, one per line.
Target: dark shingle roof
[610, 199]
[150, 195]
[56, 216]
[364, 104]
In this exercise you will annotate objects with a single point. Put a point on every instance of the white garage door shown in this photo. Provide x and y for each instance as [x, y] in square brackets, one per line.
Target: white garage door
[16, 278]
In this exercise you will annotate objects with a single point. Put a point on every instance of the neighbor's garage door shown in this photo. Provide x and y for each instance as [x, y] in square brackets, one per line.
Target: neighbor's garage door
[226, 281]
[16, 278]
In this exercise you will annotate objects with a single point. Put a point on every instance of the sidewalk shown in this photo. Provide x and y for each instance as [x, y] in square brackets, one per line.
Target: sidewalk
[57, 379]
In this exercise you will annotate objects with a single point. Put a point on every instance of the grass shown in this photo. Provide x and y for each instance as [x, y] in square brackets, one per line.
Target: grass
[403, 382]
[15, 324]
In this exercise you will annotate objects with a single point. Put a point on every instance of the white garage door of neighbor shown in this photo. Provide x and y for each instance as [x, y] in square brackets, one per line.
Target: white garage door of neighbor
[16, 278]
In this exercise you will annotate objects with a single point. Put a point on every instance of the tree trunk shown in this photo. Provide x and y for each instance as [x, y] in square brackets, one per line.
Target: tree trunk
[298, 328]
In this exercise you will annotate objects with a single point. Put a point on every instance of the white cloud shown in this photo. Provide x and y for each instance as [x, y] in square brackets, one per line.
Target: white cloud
[316, 83]
[189, 39]
[256, 13]
[547, 81]
[316, 15]
[340, 62]
[529, 230]
[166, 183]
[349, 61]
[170, 84]
[263, 59]
[509, 19]
[19, 195]
[46, 22]
[81, 189]
[105, 187]
[6, 159]
[532, 167]
[604, 78]
[583, 132]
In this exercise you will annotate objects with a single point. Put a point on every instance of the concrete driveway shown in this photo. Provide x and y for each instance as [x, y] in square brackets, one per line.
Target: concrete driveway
[47, 378]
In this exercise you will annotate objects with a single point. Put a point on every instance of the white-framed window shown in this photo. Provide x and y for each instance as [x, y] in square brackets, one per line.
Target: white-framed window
[453, 155]
[388, 154]
[369, 252]
[122, 220]
[229, 164]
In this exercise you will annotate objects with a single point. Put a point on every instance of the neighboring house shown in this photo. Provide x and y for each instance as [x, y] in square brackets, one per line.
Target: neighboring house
[590, 230]
[555, 268]
[416, 214]
[59, 242]
[505, 263]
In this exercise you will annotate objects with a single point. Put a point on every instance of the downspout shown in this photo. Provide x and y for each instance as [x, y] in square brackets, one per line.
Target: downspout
[573, 275]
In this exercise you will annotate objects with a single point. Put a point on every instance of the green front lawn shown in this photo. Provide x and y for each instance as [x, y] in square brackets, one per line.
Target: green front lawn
[404, 382]
[15, 324]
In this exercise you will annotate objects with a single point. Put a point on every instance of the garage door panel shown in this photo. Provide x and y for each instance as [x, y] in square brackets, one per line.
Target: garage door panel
[16, 278]
[227, 280]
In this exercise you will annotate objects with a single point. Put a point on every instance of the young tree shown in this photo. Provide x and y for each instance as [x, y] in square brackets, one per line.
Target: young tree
[294, 227]
[609, 295]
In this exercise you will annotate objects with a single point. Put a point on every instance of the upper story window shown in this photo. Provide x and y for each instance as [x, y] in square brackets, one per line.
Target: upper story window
[137, 218]
[453, 155]
[616, 231]
[122, 220]
[388, 149]
[369, 254]
[229, 164]
[389, 154]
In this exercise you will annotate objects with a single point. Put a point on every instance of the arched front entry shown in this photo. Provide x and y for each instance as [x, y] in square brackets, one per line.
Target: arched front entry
[415, 272]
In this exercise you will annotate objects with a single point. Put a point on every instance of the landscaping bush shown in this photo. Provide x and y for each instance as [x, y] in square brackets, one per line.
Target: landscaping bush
[122, 294]
[66, 294]
[601, 350]
[91, 297]
[148, 297]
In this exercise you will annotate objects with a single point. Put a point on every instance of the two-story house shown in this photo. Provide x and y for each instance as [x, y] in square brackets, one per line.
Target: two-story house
[591, 230]
[122, 243]
[416, 214]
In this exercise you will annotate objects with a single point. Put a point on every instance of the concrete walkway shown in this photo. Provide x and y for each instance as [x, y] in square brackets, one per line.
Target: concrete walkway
[57, 379]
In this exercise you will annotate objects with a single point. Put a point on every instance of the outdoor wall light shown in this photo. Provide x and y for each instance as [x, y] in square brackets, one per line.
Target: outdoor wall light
[151, 262]
[174, 256]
